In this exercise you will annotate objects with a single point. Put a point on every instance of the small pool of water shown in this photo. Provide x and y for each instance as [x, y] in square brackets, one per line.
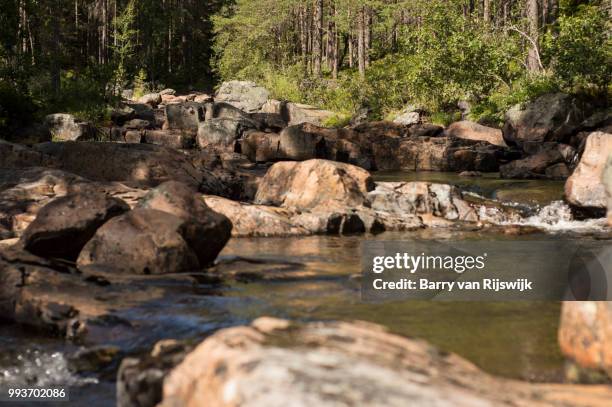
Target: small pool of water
[489, 185]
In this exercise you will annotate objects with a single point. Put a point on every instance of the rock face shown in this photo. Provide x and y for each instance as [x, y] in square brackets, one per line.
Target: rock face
[65, 127]
[178, 199]
[474, 131]
[275, 362]
[244, 95]
[136, 164]
[143, 241]
[308, 184]
[585, 334]
[65, 225]
[585, 187]
[551, 117]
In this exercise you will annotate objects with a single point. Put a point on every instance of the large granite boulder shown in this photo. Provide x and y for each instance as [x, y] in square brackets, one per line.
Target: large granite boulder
[314, 183]
[277, 363]
[534, 166]
[184, 116]
[151, 99]
[585, 334]
[585, 188]
[65, 127]
[244, 95]
[66, 224]
[297, 113]
[135, 164]
[473, 131]
[213, 228]
[222, 133]
[551, 117]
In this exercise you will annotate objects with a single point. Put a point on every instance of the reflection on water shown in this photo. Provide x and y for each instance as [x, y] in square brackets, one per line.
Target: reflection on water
[513, 339]
[489, 185]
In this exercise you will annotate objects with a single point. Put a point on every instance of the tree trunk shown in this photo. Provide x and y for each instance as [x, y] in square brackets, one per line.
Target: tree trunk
[335, 47]
[361, 39]
[531, 11]
[317, 36]
[486, 11]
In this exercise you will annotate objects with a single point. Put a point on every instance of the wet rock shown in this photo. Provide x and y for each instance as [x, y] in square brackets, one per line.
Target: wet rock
[421, 198]
[276, 363]
[143, 241]
[244, 95]
[585, 188]
[213, 229]
[551, 117]
[297, 113]
[474, 131]
[585, 334]
[184, 116]
[65, 127]
[308, 184]
[176, 139]
[256, 220]
[152, 99]
[134, 164]
[66, 224]
[222, 133]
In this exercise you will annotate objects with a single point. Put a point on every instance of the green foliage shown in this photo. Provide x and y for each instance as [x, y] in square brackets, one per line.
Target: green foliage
[337, 121]
[125, 45]
[141, 87]
[16, 109]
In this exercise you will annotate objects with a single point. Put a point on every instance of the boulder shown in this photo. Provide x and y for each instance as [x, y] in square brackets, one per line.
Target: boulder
[297, 143]
[244, 95]
[374, 131]
[585, 334]
[533, 166]
[151, 99]
[275, 362]
[222, 133]
[269, 122]
[24, 191]
[19, 156]
[176, 139]
[276, 107]
[313, 183]
[256, 220]
[421, 198]
[142, 111]
[261, 147]
[585, 187]
[550, 117]
[425, 130]
[473, 131]
[66, 224]
[122, 114]
[297, 113]
[227, 111]
[184, 116]
[65, 127]
[167, 91]
[607, 178]
[135, 164]
[408, 118]
[143, 241]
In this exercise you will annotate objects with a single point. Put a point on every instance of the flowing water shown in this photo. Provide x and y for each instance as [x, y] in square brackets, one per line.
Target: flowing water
[315, 278]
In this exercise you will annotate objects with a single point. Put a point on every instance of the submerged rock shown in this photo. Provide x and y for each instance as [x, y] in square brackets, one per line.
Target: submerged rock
[585, 187]
[275, 362]
[65, 225]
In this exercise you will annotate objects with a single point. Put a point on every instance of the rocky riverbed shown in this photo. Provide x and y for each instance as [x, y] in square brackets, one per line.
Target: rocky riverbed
[199, 213]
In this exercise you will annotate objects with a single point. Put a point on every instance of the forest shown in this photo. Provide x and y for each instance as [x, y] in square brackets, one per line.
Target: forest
[381, 55]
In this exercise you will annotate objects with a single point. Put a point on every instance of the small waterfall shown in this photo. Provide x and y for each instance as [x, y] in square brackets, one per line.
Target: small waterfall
[557, 216]
[41, 369]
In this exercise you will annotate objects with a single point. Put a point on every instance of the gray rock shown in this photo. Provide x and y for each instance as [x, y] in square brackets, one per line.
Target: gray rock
[244, 95]
[222, 133]
[65, 127]
[152, 99]
[184, 116]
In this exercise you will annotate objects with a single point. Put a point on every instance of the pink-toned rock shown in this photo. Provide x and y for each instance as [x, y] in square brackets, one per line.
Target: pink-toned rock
[474, 131]
[585, 187]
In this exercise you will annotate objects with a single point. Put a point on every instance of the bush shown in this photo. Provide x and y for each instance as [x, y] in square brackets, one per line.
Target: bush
[16, 108]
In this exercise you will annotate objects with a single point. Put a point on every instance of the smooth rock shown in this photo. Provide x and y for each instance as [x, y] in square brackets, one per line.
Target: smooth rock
[473, 131]
[66, 224]
[585, 187]
[184, 116]
[297, 113]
